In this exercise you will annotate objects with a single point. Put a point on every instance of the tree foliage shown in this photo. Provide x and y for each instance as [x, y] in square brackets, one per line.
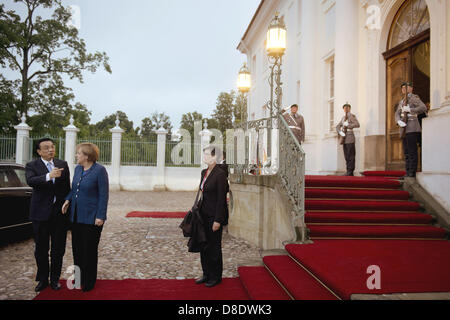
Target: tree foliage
[155, 121]
[40, 52]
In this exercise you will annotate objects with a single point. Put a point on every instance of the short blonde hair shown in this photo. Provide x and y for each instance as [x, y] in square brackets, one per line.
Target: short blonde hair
[90, 150]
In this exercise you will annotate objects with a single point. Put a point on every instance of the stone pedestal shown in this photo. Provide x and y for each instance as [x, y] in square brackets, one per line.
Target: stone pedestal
[23, 141]
[71, 143]
[161, 160]
[114, 179]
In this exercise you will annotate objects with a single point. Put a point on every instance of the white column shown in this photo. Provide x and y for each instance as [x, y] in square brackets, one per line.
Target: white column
[114, 179]
[346, 55]
[23, 141]
[346, 72]
[160, 183]
[308, 66]
[205, 139]
[71, 142]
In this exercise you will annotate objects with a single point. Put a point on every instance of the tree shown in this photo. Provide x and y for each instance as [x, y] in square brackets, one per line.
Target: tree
[240, 108]
[223, 113]
[42, 51]
[154, 122]
[102, 128]
[188, 121]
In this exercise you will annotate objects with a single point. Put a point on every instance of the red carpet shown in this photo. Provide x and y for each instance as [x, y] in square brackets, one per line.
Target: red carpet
[368, 217]
[300, 284]
[152, 289]
[356, 194]
[260, 284]
[394, 174]
[406, 266]
[345, 205]
[350, 182]
[140, 214]
[371, 231]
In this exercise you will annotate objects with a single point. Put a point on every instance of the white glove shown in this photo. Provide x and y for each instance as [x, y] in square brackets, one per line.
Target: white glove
[342, 133]
[406, 109]
[401, 123]
[346, 123]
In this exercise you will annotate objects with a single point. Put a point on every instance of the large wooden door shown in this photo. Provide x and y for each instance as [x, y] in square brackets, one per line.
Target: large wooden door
[398, 70]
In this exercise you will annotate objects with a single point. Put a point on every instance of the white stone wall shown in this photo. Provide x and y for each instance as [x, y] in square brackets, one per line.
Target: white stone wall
[136, 178]
[318, 30]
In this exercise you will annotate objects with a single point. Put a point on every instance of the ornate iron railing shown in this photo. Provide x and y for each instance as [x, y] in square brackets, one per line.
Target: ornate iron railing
[292, 174]
[290, 168]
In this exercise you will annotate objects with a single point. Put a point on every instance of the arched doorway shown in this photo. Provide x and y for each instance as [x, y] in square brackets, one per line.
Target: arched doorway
[407, 59]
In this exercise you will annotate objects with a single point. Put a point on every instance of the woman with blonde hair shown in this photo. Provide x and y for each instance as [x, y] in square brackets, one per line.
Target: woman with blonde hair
[88, 201]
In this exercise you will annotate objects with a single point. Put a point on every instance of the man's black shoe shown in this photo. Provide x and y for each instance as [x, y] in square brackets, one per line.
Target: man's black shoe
[201, 280]
[210, 284]
[55, 286]
[41, 286]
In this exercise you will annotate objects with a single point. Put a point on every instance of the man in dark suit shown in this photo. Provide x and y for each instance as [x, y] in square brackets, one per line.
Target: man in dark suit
[50, 180]
[215, 216]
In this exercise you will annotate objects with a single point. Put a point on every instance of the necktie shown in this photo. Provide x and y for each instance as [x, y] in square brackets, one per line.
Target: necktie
[50, 168]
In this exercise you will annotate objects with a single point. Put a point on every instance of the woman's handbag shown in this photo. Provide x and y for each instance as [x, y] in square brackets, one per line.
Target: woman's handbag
[186, 224]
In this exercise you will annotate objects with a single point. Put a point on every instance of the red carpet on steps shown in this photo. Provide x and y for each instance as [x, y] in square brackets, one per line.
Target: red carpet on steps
[384, 173]
[260, 284]
[361, 205]
[155, 214]
[151, 289]
[396, 217]
[356, 194]
[405, 266]
[374, 231]
[350, 182]
[300, 284]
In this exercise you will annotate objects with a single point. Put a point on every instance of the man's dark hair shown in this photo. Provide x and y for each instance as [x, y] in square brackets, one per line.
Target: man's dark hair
[294, 105]
[38, 143]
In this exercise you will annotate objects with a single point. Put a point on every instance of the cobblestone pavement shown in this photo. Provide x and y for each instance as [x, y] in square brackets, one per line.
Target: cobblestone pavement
[130, 248]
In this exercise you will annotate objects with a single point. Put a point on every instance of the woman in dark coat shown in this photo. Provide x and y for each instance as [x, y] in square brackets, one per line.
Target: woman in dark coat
[89, 201]
[213, 184]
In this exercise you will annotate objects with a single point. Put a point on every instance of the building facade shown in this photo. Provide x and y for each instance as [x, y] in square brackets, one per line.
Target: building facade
[360, 51]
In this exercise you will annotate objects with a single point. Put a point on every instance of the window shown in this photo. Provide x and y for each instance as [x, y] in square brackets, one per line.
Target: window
[330, 86]
[9, 179]
[412, 19]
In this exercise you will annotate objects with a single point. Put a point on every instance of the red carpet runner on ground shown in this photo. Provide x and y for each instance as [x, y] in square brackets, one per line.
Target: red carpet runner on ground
[152, 289]
[155, 214]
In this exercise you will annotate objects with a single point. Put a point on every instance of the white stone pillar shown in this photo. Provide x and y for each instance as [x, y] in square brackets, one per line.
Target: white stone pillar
[71, 143]
[160, 181]
[114, 178]
[308, 66]
[23, 141]
[205, 140]
[346, 71]
[346, 55]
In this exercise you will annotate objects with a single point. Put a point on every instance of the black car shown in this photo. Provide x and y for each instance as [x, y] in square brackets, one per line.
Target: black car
[15, 196]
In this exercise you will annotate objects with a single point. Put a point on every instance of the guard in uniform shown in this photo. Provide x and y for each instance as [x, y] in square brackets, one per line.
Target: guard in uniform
[347, 137]
[406, 117]
[296, 123]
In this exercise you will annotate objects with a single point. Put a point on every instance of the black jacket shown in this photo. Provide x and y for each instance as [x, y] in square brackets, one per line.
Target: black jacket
[214, 201]
[44, 192]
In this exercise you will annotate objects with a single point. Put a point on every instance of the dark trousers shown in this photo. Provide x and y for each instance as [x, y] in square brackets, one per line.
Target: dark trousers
[211, 255]
[54, 232]
[349, 154]
[410, 150]
[85, 240]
